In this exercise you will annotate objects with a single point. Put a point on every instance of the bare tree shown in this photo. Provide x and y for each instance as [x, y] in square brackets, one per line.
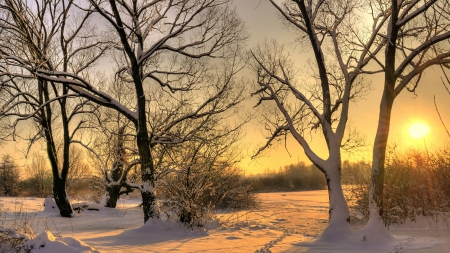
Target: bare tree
[341, 51]
[187, 49]
[49, 35]
[418, 36]
[112, 148]
[117, 178]
[113, 163]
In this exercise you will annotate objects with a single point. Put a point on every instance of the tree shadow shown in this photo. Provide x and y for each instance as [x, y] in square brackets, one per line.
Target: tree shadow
[155, 232]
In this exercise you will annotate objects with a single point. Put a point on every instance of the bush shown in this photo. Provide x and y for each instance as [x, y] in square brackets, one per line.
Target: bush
[194, 197]
[11, 240]
[416, 183]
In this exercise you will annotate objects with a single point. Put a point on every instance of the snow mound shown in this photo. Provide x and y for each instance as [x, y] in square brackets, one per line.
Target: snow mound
[374, 237]
[50, 205]
[374, 233]
[9, 238]
[11, 232]
[104, 199]
[157, 230]
[45, 242]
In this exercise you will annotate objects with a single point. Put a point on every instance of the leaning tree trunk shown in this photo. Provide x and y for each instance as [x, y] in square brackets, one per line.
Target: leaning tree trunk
[61, 199]
[59, 183]
[375, 230]
[375, 227]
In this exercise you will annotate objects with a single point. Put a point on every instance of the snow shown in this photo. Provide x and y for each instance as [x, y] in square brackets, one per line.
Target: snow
[46, 242]
[284, 222]
[104, 199]
[50, 205]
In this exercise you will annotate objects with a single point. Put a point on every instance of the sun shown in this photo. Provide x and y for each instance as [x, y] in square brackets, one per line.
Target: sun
[418, 130]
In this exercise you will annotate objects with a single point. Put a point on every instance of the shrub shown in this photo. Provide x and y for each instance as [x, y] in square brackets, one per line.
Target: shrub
[194, 197]
[416, 183]
[9, 177]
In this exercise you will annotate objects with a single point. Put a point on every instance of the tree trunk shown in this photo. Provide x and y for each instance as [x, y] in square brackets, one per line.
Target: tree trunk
[149, 205]
[339, 215]
[376, 188]
[112, 195]
[379, 154]
[375, 230]
[118, 175]
[61, 199]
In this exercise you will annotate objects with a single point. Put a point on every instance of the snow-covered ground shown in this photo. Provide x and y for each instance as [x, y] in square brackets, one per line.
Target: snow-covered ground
[284, 222]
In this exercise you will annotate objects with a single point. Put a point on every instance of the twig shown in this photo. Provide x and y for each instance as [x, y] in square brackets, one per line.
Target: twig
[437, 110]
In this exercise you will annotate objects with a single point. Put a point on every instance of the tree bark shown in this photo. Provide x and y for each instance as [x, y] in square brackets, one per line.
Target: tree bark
[387, 100]
[61, 199]
[339, 214]
[113, 195]
[376, 193]
[149, 205]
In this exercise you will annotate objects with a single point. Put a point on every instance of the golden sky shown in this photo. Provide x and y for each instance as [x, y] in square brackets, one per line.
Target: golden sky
[263, 22]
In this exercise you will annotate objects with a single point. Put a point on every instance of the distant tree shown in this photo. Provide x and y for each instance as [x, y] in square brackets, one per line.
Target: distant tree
[113, 164]
[293, 177]
[112, 149]
[79, 170]
[9, 177]
[39, 177]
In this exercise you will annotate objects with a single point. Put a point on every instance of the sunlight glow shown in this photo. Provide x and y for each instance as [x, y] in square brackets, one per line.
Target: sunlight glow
[418, 130]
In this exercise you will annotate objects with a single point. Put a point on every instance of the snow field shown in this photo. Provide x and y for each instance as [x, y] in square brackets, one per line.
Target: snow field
[284, 222]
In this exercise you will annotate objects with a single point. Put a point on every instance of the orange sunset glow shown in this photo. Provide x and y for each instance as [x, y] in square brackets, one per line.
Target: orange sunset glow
[224, 126]
[419, 130]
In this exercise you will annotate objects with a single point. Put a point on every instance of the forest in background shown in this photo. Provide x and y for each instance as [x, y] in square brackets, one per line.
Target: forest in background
[416, 184]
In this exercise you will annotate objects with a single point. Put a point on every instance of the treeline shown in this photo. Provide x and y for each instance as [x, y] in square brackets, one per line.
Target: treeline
[35, 180]
[301, 176]
[294, 177]
[193, 193]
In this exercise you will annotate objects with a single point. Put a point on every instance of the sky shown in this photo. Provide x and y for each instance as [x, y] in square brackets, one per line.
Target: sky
[263, 22]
